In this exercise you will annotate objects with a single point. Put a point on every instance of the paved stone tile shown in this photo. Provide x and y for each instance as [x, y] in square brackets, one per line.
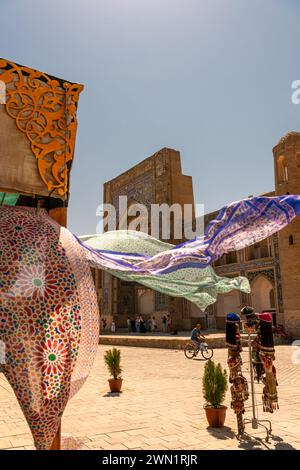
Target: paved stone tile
[133, 444]
[5, 443]
[161, 407]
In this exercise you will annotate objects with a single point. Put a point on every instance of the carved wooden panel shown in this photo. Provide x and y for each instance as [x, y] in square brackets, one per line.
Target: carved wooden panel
[44, 110]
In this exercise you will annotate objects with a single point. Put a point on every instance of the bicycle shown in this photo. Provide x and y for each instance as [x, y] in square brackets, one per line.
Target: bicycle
[191, 350]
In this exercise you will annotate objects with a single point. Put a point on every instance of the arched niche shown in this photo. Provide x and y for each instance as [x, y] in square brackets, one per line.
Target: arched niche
[262, 294]
[146, 302]
[282, 170]
[227, 303]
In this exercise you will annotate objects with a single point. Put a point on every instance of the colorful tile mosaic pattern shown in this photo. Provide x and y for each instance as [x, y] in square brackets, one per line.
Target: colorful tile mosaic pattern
[48, 316]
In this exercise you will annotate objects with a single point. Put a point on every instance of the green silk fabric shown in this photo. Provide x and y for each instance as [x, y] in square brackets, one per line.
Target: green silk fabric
[200, 286]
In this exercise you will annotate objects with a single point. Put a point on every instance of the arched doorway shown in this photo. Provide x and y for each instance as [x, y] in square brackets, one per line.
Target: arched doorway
[227, 303]
[145, 302]
[262, 293]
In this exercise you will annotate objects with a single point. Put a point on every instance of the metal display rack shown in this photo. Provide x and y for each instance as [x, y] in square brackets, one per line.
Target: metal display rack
[254, 421]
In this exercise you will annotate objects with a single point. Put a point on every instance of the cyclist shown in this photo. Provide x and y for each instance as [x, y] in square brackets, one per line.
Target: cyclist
[197, 336]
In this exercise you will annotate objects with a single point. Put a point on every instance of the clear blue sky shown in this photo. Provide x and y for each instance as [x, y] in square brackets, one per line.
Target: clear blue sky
[211, 78]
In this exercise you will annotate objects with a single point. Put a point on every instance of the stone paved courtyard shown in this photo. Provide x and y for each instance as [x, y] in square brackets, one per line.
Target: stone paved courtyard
[161, 407]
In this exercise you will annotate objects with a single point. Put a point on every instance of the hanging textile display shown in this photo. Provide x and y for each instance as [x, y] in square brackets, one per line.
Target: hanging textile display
[263, 355]
[48, 316]
[239, 388]
[251, 326]
[267, 357]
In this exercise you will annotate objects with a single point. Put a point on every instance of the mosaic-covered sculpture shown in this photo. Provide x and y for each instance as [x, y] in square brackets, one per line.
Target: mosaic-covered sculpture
[48, 316]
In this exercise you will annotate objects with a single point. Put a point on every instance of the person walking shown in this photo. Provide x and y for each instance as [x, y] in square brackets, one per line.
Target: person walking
[169, 323]
[132, 325]
[142, 325]
[137, 324]
[113, 326]
[164, 323]
[153, 324]
[104, 323]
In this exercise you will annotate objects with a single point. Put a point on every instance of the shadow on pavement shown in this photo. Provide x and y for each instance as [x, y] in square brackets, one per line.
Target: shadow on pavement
[249, 442]
[221, 433]
[281, 445]
[284, 446]
[70, 443]
[112, 394]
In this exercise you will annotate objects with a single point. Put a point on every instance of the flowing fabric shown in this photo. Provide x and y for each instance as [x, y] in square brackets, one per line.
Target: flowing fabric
[48, 316]
[199, 285]
[238, 225]
[184, 270]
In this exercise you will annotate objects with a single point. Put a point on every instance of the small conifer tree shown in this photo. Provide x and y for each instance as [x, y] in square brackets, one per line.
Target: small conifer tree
[214, 384]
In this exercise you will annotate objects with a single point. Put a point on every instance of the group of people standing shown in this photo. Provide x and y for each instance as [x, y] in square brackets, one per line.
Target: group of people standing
[140, 325]
[166, 323]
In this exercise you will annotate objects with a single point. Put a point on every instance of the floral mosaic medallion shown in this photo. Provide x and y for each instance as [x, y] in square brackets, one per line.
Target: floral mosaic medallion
[48, 316]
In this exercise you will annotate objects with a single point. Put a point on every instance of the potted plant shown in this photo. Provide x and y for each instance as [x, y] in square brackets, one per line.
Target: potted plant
[112, 359]
[214, 389]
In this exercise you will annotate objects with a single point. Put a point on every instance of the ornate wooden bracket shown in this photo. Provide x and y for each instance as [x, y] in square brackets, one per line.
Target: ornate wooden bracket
[44, 109]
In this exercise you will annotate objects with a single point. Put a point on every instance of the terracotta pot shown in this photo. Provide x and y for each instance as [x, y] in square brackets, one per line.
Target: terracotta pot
[115, 385]
[215, 416]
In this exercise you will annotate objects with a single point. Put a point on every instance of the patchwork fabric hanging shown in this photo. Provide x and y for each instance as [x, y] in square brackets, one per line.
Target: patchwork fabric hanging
[263, 355]
[251, 327]
[267, 357]
[239, 388]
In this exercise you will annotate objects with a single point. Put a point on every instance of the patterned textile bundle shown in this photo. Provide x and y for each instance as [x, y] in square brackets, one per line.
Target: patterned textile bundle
[251, 326]
[267, 356]
[263, 355]
[239, 387]
[233, 337]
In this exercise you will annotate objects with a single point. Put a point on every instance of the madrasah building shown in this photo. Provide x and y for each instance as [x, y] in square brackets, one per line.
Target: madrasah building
[272, 266]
